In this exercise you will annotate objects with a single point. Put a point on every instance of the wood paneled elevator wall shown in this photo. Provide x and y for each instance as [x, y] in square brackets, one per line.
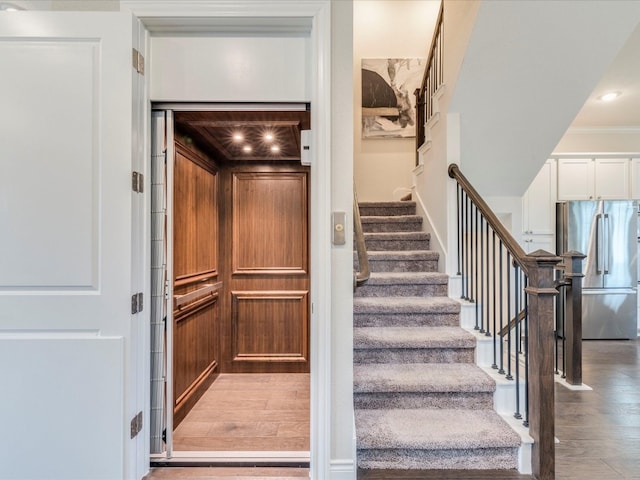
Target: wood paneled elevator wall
[244, 224]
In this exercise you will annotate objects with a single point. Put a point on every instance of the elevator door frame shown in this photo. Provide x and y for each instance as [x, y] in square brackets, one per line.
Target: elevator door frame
[171, 456]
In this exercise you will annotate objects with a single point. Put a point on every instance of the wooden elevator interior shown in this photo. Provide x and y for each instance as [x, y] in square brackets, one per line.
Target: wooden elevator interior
[241, 236]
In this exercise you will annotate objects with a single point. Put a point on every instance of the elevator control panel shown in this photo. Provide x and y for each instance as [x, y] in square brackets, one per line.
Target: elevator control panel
[339, 219]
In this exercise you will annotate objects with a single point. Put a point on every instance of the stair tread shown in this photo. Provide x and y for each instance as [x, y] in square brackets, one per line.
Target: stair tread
[396, 236]
[403, 255]
[404, 278]
[421, 377]
[412, 337]
[433, 429]
[405, 305]
[391, 218]
[400, 203]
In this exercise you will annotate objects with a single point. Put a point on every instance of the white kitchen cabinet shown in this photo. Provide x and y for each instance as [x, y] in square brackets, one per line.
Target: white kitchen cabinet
[531, 243]
[635, 179]
[593, 179]
[539, 202]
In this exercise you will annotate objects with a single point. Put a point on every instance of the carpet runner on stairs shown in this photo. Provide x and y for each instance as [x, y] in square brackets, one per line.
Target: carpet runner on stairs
[420, 401]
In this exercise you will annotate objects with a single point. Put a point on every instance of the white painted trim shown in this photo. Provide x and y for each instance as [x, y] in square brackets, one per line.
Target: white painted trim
[559, 156]
[319, 11]
[424, 148]
[418, 169]
[235, 456]
[435, 118]
[436, 243]
[343, 469]
[604, 129]
[565, 384]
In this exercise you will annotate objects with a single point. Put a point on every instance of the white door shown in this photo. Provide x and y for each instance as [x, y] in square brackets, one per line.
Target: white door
[67, 345]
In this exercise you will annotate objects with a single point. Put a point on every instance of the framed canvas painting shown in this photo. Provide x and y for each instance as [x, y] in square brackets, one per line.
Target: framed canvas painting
[388, 102]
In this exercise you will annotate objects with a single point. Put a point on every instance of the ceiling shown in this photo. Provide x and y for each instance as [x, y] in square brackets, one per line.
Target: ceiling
[245, 135]
[622, 76]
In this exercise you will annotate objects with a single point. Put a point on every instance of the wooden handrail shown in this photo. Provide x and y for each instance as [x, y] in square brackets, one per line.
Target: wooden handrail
[503, 234]
[361, 277]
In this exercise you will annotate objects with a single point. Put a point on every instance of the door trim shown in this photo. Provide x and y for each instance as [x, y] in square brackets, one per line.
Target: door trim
[319, 13]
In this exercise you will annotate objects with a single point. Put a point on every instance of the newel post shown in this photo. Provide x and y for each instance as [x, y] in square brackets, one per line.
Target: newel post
[573, 320]
[541, 290]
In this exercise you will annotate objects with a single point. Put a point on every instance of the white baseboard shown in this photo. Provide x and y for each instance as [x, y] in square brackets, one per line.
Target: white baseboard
[342, 470]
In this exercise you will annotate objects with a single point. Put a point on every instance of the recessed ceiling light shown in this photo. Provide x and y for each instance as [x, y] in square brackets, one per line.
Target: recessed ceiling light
[238, 137]
[268, 136]
[607, 97]
[275, 148]
[246, 148]
[9, 7]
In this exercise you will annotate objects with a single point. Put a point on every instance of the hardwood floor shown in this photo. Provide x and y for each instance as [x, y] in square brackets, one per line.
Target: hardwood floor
[599, 430]
[255, 412]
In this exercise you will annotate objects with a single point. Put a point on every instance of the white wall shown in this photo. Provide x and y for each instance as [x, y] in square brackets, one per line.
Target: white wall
[386, 29]
[342, 426]
[433, 188]
[256, 68]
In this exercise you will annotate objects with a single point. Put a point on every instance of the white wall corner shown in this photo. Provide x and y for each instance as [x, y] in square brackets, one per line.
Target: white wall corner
[343, 469]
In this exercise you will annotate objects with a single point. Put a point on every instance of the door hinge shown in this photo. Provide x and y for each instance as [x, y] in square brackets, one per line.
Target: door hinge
[137, 182]
[138, 61]
[136, 425]
[137, 303]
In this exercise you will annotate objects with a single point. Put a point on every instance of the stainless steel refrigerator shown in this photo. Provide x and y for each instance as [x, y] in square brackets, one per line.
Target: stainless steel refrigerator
[606, 232]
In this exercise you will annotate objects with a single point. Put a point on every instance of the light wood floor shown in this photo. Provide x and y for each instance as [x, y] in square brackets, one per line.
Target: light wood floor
[255, 412]
[599, 430]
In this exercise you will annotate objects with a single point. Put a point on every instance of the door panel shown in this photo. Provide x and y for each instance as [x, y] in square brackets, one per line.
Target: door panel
[265, 235]
[195, 261]
[66, 246]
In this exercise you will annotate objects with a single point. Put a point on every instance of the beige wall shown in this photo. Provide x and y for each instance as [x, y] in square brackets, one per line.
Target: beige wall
[386, 29]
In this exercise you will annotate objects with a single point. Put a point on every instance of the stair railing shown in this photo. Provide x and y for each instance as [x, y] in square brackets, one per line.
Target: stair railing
[361, 276]
[432, 79]
[513, 294]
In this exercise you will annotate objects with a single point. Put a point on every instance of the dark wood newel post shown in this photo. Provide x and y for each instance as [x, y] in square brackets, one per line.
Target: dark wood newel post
[541, 291]
[573, 319]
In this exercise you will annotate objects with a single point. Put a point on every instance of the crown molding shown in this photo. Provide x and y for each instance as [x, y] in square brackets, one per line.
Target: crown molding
[624, 130]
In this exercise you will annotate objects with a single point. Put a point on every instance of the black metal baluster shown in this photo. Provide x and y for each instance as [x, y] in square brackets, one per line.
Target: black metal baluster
[517, 338]
[526, 353]
[494, 365]
[463, 294]
[481, 299]
[459, 224]
[487, 312]
[472, 253]
[501, 370]
[509, 376]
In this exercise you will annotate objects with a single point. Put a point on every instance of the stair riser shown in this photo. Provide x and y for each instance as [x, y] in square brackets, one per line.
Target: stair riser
[380, 245]
[473, 459]
[413, 355]
[380, 211]
[377, 227]
[410, 290]
[470, 400]
[406, 320]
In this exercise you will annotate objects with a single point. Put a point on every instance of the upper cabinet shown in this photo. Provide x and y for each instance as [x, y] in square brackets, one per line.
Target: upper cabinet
[539, 202]
[593, 179]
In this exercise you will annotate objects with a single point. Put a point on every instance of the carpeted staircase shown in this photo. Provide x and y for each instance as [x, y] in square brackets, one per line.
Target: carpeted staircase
[420, 400]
